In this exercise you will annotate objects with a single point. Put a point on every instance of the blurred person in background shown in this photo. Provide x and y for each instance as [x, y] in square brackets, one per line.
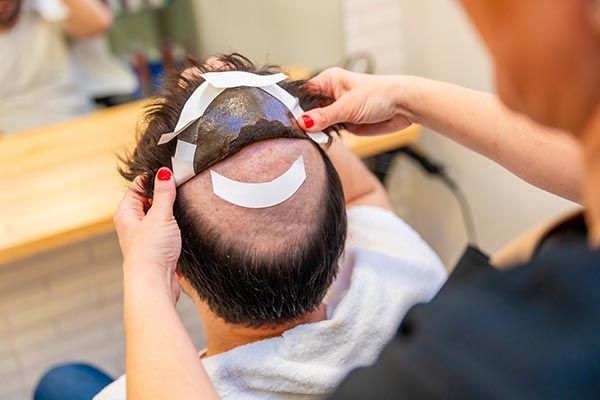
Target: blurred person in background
[38, 83]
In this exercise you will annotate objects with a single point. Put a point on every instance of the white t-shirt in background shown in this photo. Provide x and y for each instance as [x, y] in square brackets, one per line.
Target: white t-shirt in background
[37, 83]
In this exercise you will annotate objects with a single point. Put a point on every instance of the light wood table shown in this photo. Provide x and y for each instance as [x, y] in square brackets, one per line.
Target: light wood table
[59, 184]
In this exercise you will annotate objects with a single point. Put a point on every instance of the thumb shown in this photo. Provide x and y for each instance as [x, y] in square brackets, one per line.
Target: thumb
[164, 193]
[317, 119]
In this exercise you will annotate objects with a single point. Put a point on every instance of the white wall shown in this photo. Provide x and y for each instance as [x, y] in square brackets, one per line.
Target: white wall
[306, 32]
[439, 43]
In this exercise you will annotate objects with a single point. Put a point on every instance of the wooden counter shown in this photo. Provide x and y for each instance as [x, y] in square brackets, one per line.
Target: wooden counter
[59, 184]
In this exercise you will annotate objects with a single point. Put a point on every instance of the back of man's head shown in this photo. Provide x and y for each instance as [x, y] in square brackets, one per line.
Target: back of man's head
[251, 266]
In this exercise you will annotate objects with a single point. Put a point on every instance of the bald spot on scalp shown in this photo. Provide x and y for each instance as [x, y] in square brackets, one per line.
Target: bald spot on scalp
[261, 231]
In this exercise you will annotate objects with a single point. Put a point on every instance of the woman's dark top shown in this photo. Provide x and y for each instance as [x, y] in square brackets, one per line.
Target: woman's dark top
[532, 332]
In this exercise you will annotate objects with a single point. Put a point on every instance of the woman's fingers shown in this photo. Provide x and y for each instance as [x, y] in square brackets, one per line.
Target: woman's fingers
[164, 194]
[131, 208]
[328, 82]
[317, 119]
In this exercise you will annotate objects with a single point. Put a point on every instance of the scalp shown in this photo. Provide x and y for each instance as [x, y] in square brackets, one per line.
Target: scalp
[261, 231]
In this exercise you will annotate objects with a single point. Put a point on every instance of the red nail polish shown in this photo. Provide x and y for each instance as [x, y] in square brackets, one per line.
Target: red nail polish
[163, 174]
[308, 121]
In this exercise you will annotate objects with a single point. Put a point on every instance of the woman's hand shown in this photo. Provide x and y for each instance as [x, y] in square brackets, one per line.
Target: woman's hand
[149, 236]
[367, 104]
[161, 360]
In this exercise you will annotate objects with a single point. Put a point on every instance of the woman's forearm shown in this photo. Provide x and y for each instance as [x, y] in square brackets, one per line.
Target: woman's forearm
[547, 158]
[161, 360]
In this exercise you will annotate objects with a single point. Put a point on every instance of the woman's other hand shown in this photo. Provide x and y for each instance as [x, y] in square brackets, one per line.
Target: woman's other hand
[366, 104]
[149, 235]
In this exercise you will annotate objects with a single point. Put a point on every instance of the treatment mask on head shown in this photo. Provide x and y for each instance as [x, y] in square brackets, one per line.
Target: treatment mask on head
[229, 111]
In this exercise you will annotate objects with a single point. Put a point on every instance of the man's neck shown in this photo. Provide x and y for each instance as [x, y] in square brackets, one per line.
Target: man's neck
[222, 336]
[591, 149]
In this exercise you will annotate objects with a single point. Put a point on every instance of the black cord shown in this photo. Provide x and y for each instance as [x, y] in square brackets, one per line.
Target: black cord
[436, 169]
[465, 208]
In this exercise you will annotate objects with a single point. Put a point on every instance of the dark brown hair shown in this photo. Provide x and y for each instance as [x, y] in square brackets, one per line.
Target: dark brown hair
[242, 288]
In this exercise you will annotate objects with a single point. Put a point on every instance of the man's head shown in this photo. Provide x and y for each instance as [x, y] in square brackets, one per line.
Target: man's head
[9, 12]
[251, 266]
[547, 56]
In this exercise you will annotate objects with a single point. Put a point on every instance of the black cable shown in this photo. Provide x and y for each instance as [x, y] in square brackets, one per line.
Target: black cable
[438, 170]
[465, 208]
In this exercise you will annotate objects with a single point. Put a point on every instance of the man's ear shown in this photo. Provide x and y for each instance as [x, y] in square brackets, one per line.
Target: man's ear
[185, 285]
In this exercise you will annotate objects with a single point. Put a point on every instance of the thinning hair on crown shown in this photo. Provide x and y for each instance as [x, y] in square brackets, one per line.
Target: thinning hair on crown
[244, 287]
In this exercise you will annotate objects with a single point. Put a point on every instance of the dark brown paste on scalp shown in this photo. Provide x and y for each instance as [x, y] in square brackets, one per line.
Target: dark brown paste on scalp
[237, 118]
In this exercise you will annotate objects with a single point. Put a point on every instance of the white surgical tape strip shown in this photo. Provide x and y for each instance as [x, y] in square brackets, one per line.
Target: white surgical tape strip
[260, 195]
[183, 162]
[233, 79]
[185, 151]
[319, 137]
[193, 109]
[183, 170]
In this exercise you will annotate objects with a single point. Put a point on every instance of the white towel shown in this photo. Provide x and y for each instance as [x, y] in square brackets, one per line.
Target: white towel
[393, 270]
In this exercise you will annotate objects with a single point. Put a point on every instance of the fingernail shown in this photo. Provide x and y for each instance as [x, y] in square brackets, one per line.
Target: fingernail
[308, 121]
[163, 174]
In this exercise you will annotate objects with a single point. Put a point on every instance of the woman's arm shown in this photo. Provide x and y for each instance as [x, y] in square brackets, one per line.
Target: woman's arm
[544, 157]
[161, 360]
[547, 158]
[87, 18]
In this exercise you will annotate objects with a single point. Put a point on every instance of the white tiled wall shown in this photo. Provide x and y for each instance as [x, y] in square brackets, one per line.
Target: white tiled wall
[63, 306]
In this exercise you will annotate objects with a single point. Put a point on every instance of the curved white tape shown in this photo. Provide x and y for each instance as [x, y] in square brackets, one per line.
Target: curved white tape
[183, 170]
[319, 137]
[260, 195]
[232, 79]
